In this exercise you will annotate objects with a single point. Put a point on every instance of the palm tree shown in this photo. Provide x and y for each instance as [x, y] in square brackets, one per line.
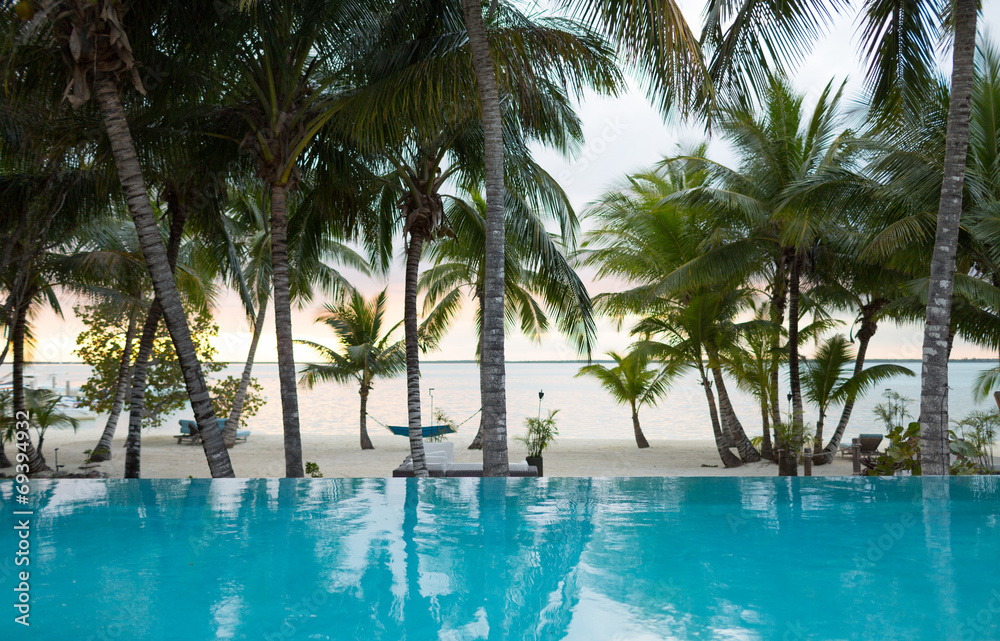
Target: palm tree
[369, 351]
[540, 280]
[899, 46]
[43, 410]
[543, 62]
[825, 383]
[767, 222]
[934, 437]
[491, 362]
[93, 38]
[646, 236]
[633, 382]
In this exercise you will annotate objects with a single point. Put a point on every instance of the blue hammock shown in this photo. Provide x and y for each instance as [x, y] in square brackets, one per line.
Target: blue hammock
[429, 430]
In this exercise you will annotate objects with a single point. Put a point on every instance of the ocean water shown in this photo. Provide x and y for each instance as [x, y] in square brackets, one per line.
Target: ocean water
[645, 559]
[585, 409]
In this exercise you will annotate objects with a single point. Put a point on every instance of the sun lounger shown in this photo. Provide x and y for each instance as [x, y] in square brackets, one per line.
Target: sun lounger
[189, 432]
[869, 444]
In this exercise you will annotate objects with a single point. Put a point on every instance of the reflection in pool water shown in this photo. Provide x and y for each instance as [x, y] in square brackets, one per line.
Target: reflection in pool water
[456, 559]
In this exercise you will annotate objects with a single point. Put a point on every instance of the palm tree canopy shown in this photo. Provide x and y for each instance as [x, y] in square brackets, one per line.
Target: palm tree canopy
[368, 349]
[631, 381]
[823, 379]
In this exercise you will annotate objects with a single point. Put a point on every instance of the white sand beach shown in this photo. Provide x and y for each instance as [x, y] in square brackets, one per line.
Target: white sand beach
[340, 456]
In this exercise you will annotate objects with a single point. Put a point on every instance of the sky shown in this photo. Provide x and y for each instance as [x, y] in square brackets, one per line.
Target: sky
[622, 134]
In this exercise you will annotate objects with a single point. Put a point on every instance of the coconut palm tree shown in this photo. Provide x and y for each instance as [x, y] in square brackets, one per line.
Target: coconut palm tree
[825, 383]
[544, 61]
[369, 350]
[768, 224]
[646, 236]
[43, 410]
[633, 382]
[541, 282]
[99, 40]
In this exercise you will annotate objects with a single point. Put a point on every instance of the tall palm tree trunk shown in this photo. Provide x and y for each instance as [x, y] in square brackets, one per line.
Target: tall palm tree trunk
[366, 443]
[492, 370]
[794, 380]
[477, 442]
[778, 300]
[865, 334]
[130, 175]
[728, 458]
[788, 462]
[748, 453]
[22, 437]
[283, 331]
[4, 461]
[935, 451]
[137, 400]
[640, 438]
[413, 355]
[233, 422]
[102, 451]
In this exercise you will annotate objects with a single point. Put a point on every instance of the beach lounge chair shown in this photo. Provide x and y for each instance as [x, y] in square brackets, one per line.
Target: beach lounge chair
[189, 432]
[869, 445]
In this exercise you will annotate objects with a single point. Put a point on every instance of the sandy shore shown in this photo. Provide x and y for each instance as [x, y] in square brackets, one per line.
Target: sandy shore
[340, 456]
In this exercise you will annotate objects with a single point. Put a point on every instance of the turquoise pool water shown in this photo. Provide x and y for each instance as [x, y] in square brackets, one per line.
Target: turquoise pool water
[462, 559]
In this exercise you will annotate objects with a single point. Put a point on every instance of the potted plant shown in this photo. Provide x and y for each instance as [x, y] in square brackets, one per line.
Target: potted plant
[541, 433]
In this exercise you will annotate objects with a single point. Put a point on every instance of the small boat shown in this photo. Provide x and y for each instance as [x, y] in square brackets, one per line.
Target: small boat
[430, 431]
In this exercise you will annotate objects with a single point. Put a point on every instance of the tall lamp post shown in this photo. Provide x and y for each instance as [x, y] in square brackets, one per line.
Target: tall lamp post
[541, 395]
[431, 392]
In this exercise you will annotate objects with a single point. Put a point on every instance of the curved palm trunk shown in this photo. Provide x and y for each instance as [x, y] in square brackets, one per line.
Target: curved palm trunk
[147, 340]
[492, 371]
[102, 451]
[366, 443]
[477, 442]
[640, 438]
[865, 334]
[728, 458]
[22, 437]
[233, 422]
[137, 400]
[748, 453]
[934, 447]
[283, 331]
[413, 355]
[130, 175]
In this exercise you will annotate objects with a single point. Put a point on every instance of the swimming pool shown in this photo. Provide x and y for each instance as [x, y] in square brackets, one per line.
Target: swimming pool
[461, 559]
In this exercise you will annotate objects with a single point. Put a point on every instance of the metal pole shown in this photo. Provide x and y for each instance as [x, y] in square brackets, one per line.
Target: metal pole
[431, 392]
[541, 395]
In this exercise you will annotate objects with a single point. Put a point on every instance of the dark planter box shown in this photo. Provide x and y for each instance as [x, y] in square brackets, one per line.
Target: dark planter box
[535, 461]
